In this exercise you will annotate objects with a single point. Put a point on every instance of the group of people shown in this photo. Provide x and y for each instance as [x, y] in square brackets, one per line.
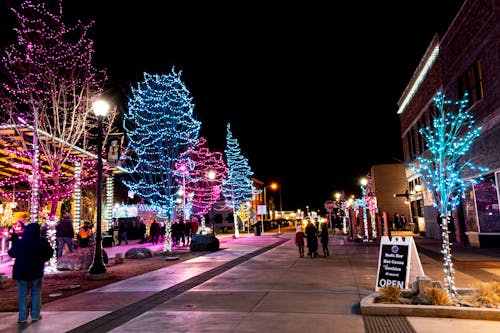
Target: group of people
[182, 232]
[310, 236]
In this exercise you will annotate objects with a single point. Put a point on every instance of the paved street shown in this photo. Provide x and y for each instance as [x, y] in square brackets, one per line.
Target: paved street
[259, 284]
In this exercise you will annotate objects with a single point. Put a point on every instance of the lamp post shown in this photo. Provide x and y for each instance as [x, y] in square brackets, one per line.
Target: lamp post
[183, 170]
[272, 186]
[97, 270]
[211, 174]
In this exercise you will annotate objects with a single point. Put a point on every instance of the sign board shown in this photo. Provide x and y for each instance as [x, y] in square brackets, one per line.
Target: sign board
[397, 258]
[329, 204]
[261, 209]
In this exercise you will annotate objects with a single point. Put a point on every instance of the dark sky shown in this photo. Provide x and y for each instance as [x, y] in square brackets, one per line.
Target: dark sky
[310, 87]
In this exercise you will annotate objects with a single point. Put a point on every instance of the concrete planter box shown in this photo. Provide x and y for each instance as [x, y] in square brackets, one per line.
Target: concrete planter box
[368, 307]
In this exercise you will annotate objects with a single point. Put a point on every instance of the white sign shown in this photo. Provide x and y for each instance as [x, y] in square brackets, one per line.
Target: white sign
[261, 209]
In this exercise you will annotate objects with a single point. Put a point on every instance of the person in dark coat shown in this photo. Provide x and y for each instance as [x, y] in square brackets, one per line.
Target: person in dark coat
[122, 232]
[312, 239]
[154, 232]
[65, 234]
[31, 252]
[324, 239]
[142, 231]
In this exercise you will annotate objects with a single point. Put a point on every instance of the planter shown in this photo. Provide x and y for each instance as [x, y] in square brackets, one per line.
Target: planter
[369, 307]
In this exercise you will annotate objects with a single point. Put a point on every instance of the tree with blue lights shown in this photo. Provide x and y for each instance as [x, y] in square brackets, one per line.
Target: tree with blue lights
[448, 139]
[159, 126]
[238, 186]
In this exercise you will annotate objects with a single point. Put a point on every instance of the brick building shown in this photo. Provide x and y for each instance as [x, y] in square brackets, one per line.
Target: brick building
[466, 58]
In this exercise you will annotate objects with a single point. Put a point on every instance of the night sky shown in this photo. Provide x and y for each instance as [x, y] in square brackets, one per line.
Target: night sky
[310, 88]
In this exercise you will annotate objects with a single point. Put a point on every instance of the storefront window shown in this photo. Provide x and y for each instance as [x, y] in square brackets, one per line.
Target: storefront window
[486, 195]
[470, 210]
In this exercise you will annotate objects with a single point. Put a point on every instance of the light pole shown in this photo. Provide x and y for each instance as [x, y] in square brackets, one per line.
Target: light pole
[182, 168]
[272, 186]
[211, 174]
[97, 270]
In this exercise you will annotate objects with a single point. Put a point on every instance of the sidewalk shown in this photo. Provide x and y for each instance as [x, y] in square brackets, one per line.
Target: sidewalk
[253, 284]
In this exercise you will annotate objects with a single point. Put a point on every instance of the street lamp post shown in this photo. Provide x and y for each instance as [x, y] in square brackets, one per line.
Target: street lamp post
[272, 186]
[97, 270]
[211, 174]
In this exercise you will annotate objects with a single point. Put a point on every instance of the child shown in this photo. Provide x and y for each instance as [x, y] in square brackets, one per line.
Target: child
[299, 240]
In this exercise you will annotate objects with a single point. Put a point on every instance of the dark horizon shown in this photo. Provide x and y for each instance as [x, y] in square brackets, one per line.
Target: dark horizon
[311, 91]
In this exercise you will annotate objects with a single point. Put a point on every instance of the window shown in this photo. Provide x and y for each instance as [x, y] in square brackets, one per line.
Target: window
[472, 82]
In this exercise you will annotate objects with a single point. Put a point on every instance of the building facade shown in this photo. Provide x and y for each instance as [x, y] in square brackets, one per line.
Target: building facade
[465, 59]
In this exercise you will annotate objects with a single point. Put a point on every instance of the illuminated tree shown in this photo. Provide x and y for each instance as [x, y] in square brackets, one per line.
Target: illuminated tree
[159, 126]
[448, 139]
[206, 178]
[238, 187]
[50, 84]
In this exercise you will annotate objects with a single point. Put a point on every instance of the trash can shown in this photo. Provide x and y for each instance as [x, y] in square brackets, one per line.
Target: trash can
[256, 228]
[107, 241]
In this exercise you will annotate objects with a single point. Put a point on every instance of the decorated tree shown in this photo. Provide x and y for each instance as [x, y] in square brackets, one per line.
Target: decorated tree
[205, 179]
[238, 186]
[160, 126]
[48, 90]
[448, 139]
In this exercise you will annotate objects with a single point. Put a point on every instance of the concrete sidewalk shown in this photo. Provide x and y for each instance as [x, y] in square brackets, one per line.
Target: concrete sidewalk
[253, 284]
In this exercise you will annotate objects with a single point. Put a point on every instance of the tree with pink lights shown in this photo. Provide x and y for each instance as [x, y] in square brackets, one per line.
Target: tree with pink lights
[206, 178]
[50, 84]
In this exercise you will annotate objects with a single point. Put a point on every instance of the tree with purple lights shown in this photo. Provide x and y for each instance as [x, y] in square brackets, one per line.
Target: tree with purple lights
[448, 139]
[50, 84]
[160, 126]
[206, 178]
[238, 186]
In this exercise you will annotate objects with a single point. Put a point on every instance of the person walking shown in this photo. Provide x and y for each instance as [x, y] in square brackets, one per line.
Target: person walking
[122, 232]
[324, 239]
[30, 253]
[154, 232]
[299, 240]
[142, 231]
[64, 234]
[312, 239]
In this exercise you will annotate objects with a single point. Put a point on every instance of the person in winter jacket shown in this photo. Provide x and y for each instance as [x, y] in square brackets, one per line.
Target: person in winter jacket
[299, 240]
[31, 252]
[65, 234]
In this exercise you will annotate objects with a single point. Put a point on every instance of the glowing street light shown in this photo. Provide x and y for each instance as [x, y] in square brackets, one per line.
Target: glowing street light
[97, 270]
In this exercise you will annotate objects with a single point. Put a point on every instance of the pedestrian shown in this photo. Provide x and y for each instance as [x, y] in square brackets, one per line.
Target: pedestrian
[187, 231]
[194, 226]
[299, 240]
[84, 234]
[398, 223]
[30, 253]
[142, 231]
[64, 234]
[122, 231]
[324, 239]
[154, 232]
[312, 239]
